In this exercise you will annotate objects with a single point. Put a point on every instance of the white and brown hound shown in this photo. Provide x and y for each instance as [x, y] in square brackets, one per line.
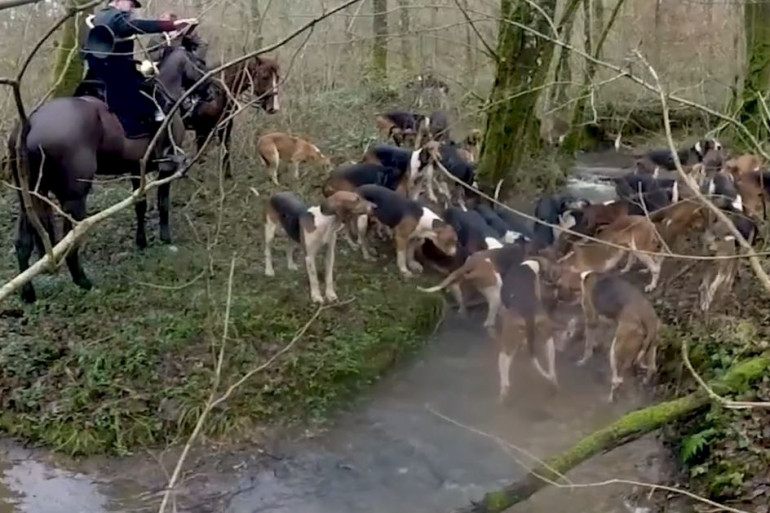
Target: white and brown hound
[636, 335]
[411, 224]
[312, 228]
[524, 321]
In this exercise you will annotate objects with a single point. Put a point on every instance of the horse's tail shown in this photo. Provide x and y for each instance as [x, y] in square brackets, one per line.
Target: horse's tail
[22, 162]
[15, 145]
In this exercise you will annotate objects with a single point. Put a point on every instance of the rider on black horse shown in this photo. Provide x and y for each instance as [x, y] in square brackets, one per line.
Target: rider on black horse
[192, 42]
[109, 52]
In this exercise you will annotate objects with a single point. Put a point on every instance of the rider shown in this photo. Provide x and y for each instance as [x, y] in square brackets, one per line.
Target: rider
[123, 82]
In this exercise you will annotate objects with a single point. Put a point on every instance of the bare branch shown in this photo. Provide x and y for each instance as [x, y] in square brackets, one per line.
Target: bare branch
[720, 215]
[243, 58]
[10, 4]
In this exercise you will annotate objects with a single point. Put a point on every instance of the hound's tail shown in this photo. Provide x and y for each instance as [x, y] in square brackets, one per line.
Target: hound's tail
[463, 272]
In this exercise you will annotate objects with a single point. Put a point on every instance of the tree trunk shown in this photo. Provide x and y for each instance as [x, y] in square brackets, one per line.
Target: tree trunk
[580, 133]
[757, 78]
[380, 46]
[406, 38]
[626, 429]
[255, 25]
[470, 63]
[512, 130]
[587, 27]
[563, 72]
[68, 64]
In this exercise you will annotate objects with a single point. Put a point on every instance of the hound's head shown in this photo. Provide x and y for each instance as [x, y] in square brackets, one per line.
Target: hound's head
[347, 204]
[445, 237]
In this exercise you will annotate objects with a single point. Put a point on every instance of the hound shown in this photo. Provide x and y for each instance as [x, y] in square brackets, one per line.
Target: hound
[484, 271]
[278, 146]
[312, 228]
[636, 336]
[688, 156]
[402, 127]
[633, 232]
[411, 223]
[524, 320]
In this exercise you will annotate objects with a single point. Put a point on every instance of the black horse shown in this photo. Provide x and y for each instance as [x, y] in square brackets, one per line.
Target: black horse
[67, 141]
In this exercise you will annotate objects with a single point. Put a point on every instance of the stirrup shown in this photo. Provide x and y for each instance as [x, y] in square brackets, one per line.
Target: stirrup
[159, 116]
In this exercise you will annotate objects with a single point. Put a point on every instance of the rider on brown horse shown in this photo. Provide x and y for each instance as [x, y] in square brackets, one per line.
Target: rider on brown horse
[109, 50]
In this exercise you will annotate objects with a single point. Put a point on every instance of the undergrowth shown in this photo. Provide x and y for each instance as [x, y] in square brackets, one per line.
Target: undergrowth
[723, 453]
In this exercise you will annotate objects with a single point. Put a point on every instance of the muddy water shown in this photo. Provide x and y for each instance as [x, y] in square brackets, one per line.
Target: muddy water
[414, 443]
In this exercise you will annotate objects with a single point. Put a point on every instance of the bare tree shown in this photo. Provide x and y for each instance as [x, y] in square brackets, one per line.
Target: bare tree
[380, 45]
[578, 134]
[512, 127]
[405, 30]
[757, 76]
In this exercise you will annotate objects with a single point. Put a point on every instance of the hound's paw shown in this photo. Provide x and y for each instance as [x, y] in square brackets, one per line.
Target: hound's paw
[416, 267]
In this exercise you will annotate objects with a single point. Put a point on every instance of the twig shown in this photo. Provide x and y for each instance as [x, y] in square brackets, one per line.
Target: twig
[721, 216]
[570, 485]
[77, 233]
[71, 11]
[490, 52]
[727, 403]
[10, 4]
[504, 443]
[173, 287]
[209, 403]
[213, 403]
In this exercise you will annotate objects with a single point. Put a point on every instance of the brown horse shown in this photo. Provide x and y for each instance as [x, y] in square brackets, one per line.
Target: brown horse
[261, 75]
[67, 141]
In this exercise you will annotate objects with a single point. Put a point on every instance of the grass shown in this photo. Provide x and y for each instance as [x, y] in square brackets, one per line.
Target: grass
[130, 364]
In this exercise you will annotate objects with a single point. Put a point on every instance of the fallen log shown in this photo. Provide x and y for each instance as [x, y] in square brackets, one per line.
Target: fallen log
[629, 427]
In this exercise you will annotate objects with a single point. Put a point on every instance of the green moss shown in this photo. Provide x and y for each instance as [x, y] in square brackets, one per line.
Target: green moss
[512, 129]
[68, 64]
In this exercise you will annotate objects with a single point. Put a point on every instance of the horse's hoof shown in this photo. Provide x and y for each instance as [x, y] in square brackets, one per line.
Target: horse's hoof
[141, 243]
[84, 283]
[173, 248]
[28, 294]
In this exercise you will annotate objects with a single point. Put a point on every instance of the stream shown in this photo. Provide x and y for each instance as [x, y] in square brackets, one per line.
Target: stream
[429, 437]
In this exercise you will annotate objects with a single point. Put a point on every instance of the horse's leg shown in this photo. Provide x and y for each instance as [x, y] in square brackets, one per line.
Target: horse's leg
[76, 209]
[201, 134]
[164, 191]
[164, 205]
[24, 243]
[140, 208]
[225, 134]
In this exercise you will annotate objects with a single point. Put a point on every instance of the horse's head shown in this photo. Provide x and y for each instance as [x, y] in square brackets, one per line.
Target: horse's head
[265, 75]
[179, 70]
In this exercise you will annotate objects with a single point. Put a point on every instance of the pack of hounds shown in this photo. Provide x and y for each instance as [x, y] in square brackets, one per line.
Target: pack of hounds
[418, 190]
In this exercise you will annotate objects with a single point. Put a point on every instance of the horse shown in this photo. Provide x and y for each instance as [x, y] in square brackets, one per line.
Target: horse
[67, 141]
[261, 74]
